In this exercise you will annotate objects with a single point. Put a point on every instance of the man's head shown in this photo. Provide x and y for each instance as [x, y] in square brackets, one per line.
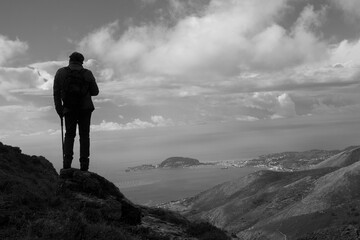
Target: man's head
[76, 57]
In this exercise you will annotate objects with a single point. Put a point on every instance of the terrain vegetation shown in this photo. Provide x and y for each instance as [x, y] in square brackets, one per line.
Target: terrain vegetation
[322, 202]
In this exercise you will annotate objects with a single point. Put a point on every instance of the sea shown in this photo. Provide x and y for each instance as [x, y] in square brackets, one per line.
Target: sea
[155, 186]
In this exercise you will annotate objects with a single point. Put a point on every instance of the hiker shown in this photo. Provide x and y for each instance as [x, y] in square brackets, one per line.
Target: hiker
[73, 88]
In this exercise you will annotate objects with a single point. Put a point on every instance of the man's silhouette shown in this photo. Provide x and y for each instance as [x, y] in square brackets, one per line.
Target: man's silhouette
[73, 88]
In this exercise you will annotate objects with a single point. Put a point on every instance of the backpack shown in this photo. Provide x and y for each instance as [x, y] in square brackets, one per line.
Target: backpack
[75, 88]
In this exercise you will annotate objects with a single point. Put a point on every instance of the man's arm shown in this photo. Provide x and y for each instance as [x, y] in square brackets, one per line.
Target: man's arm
[93, 89]
[57, 94]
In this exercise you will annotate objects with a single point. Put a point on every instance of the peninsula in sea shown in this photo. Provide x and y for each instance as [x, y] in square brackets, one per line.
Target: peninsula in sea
[172, 162]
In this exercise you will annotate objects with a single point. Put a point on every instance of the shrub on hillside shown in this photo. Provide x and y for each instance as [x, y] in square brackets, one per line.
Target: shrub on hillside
[206, 231]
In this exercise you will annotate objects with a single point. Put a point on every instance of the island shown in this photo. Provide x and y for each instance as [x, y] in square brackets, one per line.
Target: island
[171, 162]
[176, 162]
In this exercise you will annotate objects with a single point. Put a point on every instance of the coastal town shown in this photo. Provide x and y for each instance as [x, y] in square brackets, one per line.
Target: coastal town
[285, 161]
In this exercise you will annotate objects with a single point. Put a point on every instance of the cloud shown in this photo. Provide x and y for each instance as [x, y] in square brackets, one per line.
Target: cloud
[346, 53]
[209, 52]
[246, 118]
[160, 121]
[228, 37]
[102, 100]
[226, 60]
[23, 80]
[156, 121]
[349, 6]
[202, 61]
[280, 105]
[276, 48]
[285, 106]
[10, 48]
[107, 74]
[15, 79]
[36, 78]
[223, 42]
[23, 119]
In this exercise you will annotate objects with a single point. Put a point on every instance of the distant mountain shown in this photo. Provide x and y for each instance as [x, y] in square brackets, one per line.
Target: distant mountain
[37, 203]
[319, 203]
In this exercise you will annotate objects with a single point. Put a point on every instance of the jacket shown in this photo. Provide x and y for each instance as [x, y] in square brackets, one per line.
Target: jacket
[59, 79]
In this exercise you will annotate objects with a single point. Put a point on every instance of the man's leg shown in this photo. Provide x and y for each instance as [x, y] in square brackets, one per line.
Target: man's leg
[70, 126]
[84, 132]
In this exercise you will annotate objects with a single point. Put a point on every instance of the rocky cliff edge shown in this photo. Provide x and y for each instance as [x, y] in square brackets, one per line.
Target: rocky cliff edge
[37, 203]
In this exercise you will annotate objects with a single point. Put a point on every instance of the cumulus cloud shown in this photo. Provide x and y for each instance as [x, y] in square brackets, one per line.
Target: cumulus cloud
[226, 38]
[274, 105]
[10, 48]
[160, 121]
[23, 79]
[37, 78]
[224, 60]
[346, 53]
[156, 121]
[275, 48]
[22, 119]
[12, 79]
[226, 47]
[285, 106]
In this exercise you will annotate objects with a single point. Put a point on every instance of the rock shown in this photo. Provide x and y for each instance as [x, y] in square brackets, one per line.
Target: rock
[88, 190]
[4, 218]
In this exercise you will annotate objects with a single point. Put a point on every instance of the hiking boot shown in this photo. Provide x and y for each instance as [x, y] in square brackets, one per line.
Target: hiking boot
[67, 163]
[84, 164]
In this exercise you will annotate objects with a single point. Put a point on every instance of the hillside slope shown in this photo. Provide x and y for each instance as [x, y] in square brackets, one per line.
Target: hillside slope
[38, 204]
[324, 201]
[343, 159]
[290, 161]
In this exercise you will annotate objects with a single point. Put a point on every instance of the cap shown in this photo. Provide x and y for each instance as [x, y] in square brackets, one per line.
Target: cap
[76, 57]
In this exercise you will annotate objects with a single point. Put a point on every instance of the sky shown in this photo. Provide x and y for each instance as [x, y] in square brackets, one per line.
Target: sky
[215, 79]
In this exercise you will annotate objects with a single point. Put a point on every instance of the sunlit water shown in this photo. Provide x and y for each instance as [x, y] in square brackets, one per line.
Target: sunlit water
[150, 187]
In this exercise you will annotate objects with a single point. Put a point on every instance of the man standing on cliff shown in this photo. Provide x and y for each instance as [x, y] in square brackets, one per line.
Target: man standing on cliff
[73, 88]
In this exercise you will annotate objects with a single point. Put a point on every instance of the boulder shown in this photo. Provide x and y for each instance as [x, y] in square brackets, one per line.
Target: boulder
[94, 195]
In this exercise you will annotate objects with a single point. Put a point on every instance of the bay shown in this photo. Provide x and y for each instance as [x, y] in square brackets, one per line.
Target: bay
[151, 187]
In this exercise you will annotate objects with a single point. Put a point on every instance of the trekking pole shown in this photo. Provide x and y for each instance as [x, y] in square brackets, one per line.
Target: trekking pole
[62, 135]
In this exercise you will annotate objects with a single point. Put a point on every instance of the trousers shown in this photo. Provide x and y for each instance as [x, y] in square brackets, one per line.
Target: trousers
[82, 119]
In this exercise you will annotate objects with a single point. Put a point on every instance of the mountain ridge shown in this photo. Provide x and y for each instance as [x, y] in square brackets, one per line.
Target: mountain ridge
[271, 204]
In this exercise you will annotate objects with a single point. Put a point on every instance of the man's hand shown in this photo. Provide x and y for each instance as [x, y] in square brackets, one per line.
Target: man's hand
[60, 111]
